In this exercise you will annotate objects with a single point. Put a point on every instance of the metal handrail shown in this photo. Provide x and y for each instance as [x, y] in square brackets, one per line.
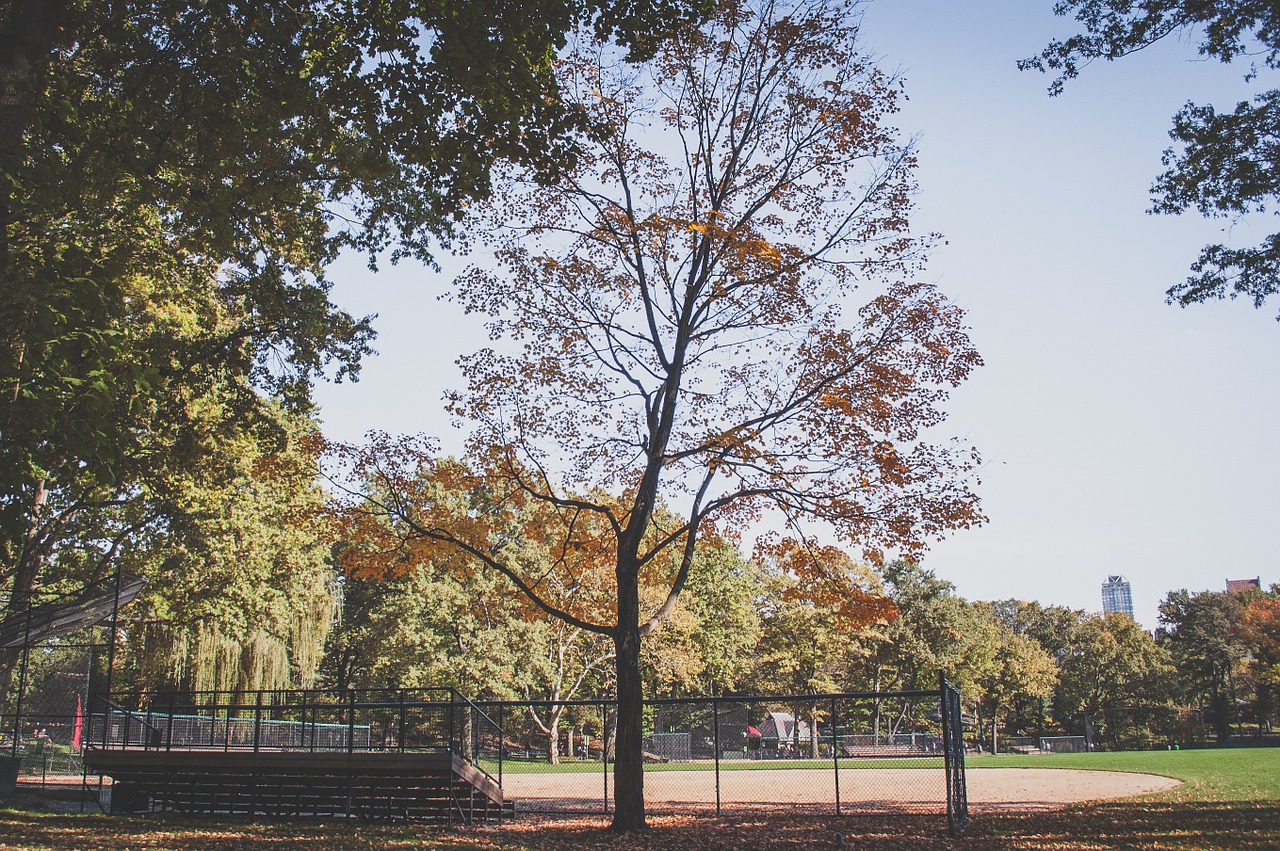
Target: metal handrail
[255, 704]
[130, 716]
[501, 738]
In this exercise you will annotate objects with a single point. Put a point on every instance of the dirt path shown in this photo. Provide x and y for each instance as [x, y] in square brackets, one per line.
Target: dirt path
[867, 789]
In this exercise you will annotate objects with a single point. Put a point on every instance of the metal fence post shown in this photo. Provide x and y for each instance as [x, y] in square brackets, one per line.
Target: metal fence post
[953, 756]
[835, 750]
[168, 733]
[22, 684]
[604, 750]
[257, 723]
[944, 707]
[715, 743]
[400, 736]
[450, 728]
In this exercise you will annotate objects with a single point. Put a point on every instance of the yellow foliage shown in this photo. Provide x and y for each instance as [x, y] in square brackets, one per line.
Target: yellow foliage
[827, 577]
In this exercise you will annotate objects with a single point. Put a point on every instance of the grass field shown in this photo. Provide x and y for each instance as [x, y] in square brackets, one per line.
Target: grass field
[1230, 800]
[1234, 774]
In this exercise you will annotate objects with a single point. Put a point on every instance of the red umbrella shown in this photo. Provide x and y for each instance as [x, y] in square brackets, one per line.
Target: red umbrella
[752, 731]
[78, 730]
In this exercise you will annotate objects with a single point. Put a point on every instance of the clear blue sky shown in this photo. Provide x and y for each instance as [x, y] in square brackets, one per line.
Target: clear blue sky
[1121, 435]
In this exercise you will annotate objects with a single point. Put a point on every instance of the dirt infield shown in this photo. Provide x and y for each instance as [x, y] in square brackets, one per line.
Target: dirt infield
[990, 789]
[1046, 788]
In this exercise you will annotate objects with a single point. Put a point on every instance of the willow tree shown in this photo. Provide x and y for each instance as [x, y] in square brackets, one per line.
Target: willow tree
[677, 326]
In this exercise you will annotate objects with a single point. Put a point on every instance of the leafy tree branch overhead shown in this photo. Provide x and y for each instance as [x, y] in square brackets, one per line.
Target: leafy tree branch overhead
[1225, 162]
[712, 317]
[176, 177]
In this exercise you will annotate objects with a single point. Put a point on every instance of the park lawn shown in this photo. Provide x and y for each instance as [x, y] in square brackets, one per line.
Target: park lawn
[1229, 802]
[1208, 774]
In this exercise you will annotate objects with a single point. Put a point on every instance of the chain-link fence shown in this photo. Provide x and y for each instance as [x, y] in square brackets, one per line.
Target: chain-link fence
[55, 651]
[44, 705]
[1131, 728]
[844, 753]
[841, 753]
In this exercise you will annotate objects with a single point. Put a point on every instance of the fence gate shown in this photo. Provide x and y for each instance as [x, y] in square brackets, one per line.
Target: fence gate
[953, 750]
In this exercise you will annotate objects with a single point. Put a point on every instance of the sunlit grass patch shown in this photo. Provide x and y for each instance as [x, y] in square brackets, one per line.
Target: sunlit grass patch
[1210, 774]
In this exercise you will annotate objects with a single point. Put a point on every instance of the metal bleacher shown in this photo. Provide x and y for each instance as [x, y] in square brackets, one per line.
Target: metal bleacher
[369, 755]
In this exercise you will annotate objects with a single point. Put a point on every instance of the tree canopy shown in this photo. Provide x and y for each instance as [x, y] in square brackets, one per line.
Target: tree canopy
[1225, 163]
[1198, 630]
[174, 179]
[177, 175]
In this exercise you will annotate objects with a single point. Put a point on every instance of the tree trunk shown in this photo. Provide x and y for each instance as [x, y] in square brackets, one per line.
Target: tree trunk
[813, 731]
[610, 743]
[628, 768]
[553, 740]
[26, 572]
[1221, 716]
[875, 704]
[468, 733]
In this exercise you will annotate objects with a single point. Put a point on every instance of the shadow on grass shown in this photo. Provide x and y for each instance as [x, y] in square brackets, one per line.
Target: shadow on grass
[27, 830]
[1244, 825]
[1212, 826]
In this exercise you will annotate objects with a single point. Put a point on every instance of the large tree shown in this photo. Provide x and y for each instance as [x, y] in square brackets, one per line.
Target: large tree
[1224, 164]
[174, 178]
[1056, 630]
[235, 549]
[1114, 674]
[1199, 630]
[1021, 671]
[935, 630]
[678, 325]
[1259, 630]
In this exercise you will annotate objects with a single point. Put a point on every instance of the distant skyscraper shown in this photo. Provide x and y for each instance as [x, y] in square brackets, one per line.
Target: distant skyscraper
[1116, 596]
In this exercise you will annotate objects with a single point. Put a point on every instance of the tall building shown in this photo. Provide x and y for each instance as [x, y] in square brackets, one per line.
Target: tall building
[1116, 596]
[1235, 586]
